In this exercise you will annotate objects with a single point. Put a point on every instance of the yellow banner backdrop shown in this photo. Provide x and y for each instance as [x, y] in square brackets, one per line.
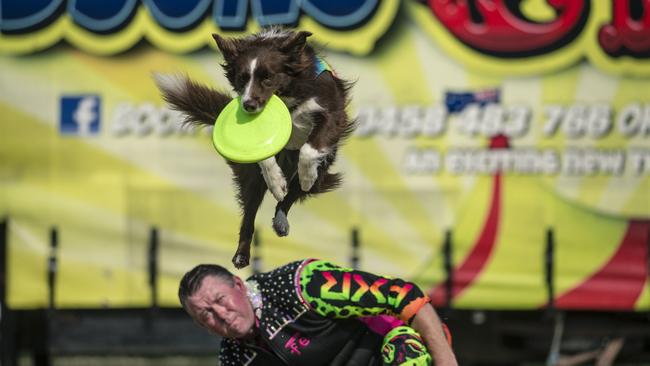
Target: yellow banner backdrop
[492, 137]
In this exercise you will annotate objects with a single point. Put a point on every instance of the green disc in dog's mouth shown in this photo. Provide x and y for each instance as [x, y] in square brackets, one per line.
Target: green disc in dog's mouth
[247, 138]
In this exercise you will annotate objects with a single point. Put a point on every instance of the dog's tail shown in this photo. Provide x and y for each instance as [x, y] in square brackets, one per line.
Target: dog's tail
[330, 182]
[199, 104]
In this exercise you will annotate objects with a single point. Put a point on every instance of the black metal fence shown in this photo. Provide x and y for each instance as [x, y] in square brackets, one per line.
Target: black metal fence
[480, 337]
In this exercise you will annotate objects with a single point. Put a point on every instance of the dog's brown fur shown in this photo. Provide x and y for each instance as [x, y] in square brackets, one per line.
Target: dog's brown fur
[285, 66]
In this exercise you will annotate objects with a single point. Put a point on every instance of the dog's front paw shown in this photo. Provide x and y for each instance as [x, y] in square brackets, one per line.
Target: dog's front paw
[308, 162]
[274, 178]
[307, 173]
[240, 260]
[279, 187]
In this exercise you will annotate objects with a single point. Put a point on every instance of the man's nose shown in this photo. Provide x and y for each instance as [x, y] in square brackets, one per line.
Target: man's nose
[219, 311]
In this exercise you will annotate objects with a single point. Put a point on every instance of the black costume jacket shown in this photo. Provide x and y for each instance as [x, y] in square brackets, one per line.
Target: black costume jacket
[315, 313]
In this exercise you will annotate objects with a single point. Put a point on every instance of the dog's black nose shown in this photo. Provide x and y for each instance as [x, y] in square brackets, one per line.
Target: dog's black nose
[251, 106]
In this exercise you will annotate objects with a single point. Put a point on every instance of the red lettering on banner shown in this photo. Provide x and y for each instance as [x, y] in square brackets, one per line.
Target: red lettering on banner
[501, 31]
[625, 33]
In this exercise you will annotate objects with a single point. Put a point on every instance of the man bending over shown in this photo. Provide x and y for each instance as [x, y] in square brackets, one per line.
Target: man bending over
[312, 312]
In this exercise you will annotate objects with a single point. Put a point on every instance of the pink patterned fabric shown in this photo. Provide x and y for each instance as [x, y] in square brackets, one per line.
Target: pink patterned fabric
[381, 324]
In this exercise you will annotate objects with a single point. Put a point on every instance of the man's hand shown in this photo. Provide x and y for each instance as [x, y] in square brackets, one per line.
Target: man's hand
[427, 323]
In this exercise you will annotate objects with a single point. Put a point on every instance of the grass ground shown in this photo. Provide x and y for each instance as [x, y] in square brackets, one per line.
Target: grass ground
[128, 361]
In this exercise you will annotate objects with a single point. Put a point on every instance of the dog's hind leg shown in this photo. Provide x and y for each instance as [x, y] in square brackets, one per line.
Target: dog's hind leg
[251, 193]
[325, 182]
[280, 221]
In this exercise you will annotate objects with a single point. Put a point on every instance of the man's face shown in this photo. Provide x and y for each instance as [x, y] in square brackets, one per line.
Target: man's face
[221, 308]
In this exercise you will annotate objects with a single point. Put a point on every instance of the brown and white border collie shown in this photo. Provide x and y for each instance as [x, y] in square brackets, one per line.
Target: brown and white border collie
[281, 62]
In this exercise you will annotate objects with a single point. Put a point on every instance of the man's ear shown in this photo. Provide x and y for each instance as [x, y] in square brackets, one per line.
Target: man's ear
[296, 42]
[227, 46]
[238, 283]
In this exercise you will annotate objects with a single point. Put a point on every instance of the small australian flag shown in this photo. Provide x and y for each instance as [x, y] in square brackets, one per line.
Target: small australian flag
[456, 102]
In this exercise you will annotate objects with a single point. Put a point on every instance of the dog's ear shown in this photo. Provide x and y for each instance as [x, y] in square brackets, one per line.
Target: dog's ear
[296, 42]
[226, 46]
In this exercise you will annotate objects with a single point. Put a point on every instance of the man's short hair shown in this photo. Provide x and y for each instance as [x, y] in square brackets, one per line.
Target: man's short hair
[191, 281]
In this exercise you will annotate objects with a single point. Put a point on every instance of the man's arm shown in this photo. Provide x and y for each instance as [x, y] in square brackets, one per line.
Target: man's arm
[427, 323]
[338, 292]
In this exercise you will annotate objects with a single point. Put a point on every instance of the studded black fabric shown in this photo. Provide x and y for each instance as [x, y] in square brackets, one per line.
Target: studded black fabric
[293, 332]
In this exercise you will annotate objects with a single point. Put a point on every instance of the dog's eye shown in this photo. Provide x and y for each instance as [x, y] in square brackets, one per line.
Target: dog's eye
[267, 83]
[244, 77]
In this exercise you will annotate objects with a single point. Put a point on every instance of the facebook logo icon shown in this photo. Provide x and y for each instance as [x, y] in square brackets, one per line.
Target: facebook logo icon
[80, 115]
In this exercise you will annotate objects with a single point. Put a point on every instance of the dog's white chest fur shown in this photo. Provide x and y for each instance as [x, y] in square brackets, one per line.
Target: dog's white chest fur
[303, 122]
